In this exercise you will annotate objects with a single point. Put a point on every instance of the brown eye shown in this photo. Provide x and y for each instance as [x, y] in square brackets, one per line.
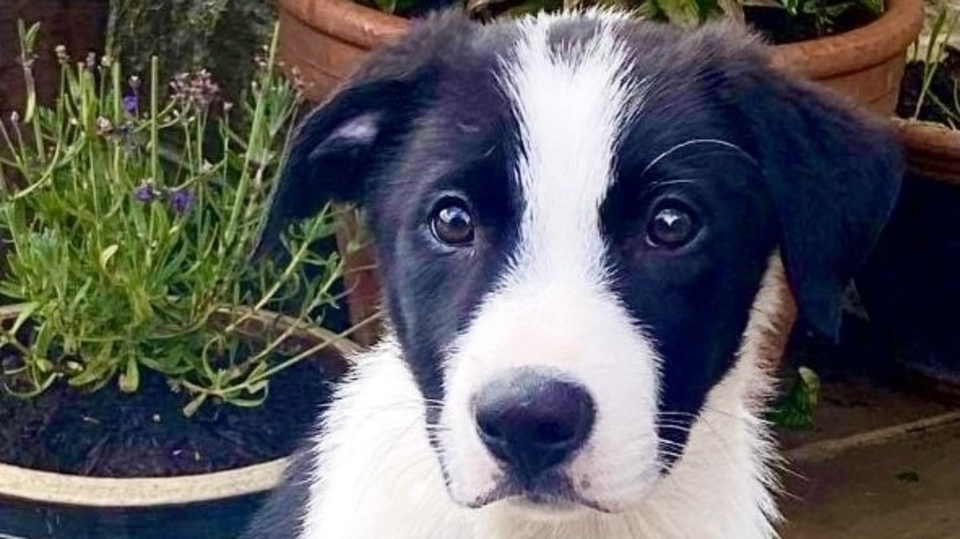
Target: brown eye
[452, 223]
[671, 226]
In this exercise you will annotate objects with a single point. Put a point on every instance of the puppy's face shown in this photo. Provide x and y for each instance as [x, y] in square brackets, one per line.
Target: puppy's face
[573, 216]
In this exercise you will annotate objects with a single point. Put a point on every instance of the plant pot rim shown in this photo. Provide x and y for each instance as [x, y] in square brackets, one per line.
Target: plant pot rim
[108, 492]
[928, 131]
[931, 148]
[356, 24]
[869, 45]
[866, 46]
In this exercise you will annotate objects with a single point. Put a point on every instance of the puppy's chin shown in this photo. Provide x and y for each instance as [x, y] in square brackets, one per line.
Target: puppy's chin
[534, 505]
[550, 498]
[549, 510]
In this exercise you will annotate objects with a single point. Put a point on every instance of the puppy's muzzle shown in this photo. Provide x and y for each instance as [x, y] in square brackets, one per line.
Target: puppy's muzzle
[533, 421]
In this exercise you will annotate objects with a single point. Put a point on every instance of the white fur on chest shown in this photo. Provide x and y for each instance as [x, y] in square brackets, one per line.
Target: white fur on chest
[376, 475]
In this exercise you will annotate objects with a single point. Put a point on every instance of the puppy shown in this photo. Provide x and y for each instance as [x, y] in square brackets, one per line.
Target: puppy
[586, 226]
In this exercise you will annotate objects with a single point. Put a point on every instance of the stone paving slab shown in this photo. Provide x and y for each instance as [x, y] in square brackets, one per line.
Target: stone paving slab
[907, 489]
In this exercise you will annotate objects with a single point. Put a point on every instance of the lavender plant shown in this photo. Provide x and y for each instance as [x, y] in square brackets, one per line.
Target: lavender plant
[129, 233]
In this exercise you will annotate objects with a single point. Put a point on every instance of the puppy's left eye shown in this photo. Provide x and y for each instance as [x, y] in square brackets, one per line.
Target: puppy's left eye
[672, 226]
[452, 223]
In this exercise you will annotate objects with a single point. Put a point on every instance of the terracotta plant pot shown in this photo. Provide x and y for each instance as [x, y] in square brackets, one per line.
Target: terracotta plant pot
[327, 39]
[910, 286]
[933, 150]
[865, 64]
[39, 505]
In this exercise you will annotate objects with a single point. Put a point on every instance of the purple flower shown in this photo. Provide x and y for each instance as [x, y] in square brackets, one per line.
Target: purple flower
[195, 89]
[181, 201]
[145, 192]
[131, 104]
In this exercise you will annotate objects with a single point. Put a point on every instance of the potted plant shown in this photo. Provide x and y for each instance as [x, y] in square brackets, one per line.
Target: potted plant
[857, 47]
[142, 346]
[910, 285]
[929, 111]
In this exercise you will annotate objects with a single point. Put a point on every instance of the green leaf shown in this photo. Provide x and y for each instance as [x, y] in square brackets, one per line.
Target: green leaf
[11, 290]
[387, 6]
[130, 379]
[26, 312]
[98, 368]
[684, 13]
[248, 403]
[30, 37]
[107, 254]
[832, 11]
[42, 339]
[811, 384]
[81, 294]
[88, 376]
[27, 42]
[191, 408]
[792, 7]
[44, 365]
[256, 373]
[875, 6]
[798, 407]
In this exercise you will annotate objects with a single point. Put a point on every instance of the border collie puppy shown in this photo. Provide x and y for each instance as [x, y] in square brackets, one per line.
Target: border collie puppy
[587, 227]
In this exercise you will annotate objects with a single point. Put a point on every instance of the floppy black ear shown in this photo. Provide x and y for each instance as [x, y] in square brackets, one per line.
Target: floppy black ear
[338, 148]
[834, 175]
[334, 152]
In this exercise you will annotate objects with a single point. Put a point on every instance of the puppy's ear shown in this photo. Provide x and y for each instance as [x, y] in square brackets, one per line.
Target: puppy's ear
[334, 152]
[338, 148]
[834, 175]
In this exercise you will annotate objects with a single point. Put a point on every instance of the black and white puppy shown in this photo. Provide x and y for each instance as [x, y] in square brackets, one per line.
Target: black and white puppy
[585, 225]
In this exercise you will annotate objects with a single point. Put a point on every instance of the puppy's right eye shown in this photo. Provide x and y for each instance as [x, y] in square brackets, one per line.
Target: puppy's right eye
[451, 222]
[672, 226]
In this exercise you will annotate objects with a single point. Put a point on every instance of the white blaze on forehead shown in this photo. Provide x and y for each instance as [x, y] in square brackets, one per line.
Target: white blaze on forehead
[554, 308]
[571, 101]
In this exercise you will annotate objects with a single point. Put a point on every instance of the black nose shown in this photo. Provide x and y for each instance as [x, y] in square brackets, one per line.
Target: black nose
[533, 421]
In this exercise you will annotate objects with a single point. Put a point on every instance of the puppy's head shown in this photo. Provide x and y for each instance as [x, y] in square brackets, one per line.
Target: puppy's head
[573, 216]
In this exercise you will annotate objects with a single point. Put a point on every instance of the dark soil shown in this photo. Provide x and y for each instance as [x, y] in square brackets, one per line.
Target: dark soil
[779, 27]
[145, 434]
[942, 88]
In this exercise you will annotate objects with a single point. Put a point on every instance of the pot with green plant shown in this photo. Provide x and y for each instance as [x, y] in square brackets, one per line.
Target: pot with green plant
[929, 108]
[857, 47]
[911, 284]
[146, 376]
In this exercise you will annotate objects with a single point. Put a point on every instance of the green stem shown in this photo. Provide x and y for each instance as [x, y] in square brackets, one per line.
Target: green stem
[313, 350]
[154, 136]
[288, 272]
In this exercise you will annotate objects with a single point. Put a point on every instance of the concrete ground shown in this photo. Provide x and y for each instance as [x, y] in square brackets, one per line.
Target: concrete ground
[880, 464]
